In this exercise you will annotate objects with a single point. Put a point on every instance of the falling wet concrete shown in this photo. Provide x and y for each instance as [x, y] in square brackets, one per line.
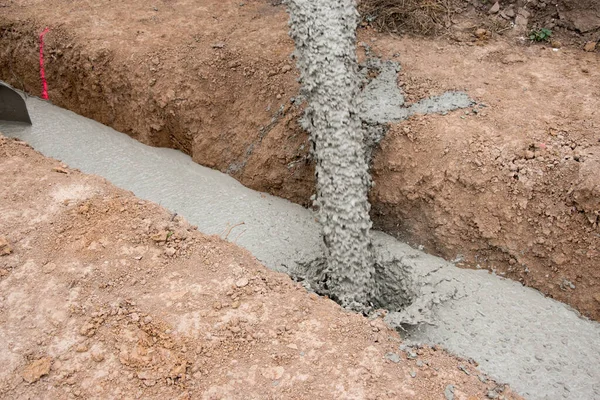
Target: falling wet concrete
[324, 33]
[541, 347]
[344, 123]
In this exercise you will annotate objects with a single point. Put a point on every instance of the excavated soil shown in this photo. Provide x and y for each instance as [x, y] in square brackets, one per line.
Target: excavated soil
[103, 295]
[508, 185]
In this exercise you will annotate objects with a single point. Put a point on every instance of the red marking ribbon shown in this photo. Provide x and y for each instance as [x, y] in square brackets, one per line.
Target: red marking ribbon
[42, 70]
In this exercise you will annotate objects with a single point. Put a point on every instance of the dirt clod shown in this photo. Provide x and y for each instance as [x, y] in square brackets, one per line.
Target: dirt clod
[5, 248]
[590, 46]
[242, 282]
[34, 371]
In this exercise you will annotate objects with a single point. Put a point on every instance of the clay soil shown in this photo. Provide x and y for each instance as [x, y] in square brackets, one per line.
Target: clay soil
[103, 295]
[510, 185]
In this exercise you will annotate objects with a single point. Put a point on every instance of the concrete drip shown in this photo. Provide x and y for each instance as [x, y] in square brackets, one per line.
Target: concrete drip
[325, 36]
[383, 101]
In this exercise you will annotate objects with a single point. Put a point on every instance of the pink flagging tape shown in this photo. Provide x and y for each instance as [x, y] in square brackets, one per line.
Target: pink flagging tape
[42, 70]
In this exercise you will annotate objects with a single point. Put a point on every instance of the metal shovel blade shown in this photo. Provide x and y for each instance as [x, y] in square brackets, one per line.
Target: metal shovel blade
[12, 105]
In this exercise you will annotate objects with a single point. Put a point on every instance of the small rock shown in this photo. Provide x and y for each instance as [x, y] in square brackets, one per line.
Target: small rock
[272, 373]
[555, 44]
[170, 252]
[148, 377]
[413, 374]
[492, 395]
[523, 12]
[510, 13]
[81, 348]
[34, 371]
[5, 248]
[393, 357]
[521, 21]
[60, 170]
[218, 45]
[241, 282]
[97, 356]
[482, 378]
[419, 363]
[135, 317]
[449, 392]
[48, 268]
[160, 236]
[286, 68]
[88, 330]
[590, 46]
[529, 155]
[178, 371]
[495, 8]
[482, 33]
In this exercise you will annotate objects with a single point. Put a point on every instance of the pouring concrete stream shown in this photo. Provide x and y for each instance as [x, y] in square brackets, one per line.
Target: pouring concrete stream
[541, 347]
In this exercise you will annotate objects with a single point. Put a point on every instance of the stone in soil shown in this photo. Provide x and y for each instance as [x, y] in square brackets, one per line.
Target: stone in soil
[590, 46]
[34, 371]
[5, 248]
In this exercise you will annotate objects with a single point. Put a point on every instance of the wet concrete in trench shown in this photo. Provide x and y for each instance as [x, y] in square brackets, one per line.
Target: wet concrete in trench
[541, 347]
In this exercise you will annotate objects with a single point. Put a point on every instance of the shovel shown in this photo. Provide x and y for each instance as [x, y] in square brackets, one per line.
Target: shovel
[12, 105]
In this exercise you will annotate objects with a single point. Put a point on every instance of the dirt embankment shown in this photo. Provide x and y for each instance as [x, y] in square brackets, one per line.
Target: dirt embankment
[508, 185]
[106, 296]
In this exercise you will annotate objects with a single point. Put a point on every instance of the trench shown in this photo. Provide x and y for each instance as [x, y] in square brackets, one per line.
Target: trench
[541, 347]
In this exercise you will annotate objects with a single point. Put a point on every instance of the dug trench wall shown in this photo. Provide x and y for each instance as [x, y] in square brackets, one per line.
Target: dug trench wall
[507, 185]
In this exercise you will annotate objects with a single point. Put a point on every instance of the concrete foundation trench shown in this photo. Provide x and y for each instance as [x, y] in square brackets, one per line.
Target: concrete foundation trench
[541, 347]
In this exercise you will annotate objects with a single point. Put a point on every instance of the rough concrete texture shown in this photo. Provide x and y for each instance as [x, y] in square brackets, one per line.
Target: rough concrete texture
[325, 36]
[541, 347]
[383, 100]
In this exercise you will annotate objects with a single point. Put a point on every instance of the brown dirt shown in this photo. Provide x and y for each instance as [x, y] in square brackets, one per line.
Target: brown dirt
[106, 296]
[510, 188]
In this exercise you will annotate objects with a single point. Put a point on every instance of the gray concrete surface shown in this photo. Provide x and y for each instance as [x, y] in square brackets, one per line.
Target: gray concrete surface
[383, 101]
[541, 347]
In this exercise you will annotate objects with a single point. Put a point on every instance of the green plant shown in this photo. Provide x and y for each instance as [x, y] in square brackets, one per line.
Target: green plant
[540, 35]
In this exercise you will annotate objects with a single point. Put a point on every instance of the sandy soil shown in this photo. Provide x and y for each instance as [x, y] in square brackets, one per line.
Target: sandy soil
[106, 296]
[509, 186]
